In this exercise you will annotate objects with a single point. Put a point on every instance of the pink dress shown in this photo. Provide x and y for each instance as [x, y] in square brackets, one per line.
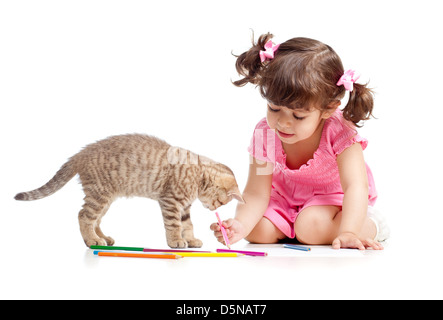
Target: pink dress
[315, 183]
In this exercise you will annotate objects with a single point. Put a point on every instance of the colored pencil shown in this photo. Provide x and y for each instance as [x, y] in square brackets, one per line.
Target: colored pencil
[97, 251]
[210, 254]
[295, 247]
[142, 249]
[172, 250]
[138, 255]
[247, 253]
[117, 248]
[223, 231]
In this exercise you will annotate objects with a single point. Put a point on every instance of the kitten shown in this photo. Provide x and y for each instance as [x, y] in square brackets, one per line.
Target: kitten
[144, 166]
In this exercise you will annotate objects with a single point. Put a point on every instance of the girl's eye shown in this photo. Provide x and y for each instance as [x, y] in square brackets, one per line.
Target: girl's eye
[277, 110]
[298, 118]
[273, 110]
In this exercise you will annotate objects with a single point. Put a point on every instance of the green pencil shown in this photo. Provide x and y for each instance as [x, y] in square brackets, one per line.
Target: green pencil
[117, 248]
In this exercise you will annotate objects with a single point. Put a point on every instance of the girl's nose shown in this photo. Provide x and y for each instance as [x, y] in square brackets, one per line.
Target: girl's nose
[285, 120]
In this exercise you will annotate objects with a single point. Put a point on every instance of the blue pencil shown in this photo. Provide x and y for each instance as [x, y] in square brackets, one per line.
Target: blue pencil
[292, 246]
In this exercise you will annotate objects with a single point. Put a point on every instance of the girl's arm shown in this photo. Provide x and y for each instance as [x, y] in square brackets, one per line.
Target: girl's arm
[256, 196]
[354, 181]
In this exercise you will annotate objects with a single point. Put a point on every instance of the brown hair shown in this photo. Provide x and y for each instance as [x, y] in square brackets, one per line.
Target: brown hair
[303, 72]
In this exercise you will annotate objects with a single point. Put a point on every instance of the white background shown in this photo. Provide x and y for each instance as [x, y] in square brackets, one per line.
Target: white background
[73, 72]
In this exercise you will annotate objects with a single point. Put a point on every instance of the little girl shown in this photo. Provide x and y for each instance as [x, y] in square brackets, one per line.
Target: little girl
[307, 176]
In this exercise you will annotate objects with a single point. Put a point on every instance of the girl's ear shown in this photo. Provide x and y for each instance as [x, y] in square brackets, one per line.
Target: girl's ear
[331, 109]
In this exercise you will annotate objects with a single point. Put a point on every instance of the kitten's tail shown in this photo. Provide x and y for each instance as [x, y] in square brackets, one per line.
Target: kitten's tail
[66, 173]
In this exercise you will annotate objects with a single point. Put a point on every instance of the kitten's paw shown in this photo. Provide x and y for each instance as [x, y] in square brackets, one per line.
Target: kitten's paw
[109, 241]
[178, 243]
[96, 242]
[195, 243]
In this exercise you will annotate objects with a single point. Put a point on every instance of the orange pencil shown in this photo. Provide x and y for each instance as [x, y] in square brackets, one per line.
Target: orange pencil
[138, 255]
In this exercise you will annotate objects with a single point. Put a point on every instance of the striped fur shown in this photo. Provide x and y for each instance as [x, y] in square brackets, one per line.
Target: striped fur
[143, 166]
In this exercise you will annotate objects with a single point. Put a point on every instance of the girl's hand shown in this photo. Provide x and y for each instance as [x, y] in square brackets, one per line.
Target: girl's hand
[234, 230]
[350, 240]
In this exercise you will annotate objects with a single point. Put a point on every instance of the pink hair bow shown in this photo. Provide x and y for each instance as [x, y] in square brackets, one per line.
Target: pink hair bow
[348, 79]
[268, 53]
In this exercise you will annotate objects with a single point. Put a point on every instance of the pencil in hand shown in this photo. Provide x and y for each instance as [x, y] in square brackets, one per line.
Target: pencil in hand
[223, 231]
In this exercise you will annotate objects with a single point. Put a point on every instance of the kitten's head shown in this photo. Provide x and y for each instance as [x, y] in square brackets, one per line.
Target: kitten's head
[218, 188]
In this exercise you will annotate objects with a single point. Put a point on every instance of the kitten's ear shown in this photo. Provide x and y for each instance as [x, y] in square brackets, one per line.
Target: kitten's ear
[236, 194]
[227, 181]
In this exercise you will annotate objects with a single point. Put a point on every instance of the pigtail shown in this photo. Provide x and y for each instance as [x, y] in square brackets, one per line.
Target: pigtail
[248, 64]
[360, 104]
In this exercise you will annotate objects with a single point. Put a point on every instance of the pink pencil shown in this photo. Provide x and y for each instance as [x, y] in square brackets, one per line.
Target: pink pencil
[248, 253]
[223, 231]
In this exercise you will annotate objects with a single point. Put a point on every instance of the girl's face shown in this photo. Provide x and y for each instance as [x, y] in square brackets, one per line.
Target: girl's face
[293, 126]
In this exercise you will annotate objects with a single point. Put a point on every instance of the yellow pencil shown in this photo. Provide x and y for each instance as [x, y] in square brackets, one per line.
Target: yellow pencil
[209, 254]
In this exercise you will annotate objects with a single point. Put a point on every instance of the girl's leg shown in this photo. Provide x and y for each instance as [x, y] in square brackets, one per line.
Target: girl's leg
[265, 232]
[320, 225]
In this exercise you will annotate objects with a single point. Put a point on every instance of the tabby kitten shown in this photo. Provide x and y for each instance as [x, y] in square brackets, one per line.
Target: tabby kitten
[144, 166]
